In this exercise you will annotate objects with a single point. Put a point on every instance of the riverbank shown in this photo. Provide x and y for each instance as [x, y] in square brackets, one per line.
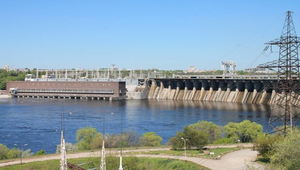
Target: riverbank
[234, 161]
[4, 96]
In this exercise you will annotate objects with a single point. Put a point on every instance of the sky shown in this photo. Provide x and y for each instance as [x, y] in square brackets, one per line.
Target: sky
[140, 34]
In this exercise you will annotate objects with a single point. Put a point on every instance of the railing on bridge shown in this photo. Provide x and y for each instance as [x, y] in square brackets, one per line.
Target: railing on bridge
[271, 77]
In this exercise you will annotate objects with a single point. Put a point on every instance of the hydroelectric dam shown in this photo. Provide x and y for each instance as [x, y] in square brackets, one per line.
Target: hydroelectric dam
[260, 89]
[252, 89]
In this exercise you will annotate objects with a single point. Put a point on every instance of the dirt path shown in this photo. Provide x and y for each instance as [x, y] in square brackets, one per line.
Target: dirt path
[237, 160]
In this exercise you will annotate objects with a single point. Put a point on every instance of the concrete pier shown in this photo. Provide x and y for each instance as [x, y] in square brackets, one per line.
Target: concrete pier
[251, 91]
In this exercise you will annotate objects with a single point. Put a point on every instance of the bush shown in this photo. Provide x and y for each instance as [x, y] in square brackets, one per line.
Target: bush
[245, 131]
[287, 152]
[265, 144]
[150, 139]
[27, 153]
[213, 131]
[96, 141]
[41, 152]
[195, 139]
[3, 151]
[14, 153]
[69, 148]
[85, 136]
[223, 141]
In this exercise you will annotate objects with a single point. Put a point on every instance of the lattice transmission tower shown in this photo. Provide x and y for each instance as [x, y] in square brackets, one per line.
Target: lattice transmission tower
[287, 85]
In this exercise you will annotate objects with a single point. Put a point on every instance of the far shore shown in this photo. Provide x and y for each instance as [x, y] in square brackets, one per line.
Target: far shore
[4, 96]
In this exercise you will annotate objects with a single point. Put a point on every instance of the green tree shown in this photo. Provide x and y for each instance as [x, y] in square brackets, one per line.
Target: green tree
[96, 141]
[213, 131]
[287, 152]
[264, 144]
[150, 139]
[84, 137]
[195, 138]
[245, 131]
[10, 76]
[41, 152]
[176, 141]
[14, 153]
[3, 152]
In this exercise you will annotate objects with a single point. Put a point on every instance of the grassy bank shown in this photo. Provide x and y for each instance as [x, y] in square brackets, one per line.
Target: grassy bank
[132, 163]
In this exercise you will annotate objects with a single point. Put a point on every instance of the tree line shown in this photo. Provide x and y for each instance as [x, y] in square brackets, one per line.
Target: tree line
[12, 75]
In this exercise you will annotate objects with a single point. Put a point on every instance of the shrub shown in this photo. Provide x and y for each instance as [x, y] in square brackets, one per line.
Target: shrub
[41, 152]
[223, 141]
[3, 151]
[287, 152]
[150, 139]
[245, 131]
[212, 130]
[14, 153]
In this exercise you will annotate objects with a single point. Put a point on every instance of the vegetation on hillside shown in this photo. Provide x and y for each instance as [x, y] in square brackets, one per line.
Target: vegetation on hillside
[6, 76]
[281, 152]
[132, 163]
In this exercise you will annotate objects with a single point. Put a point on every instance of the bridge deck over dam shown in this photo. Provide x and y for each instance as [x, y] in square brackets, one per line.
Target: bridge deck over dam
[260, 89]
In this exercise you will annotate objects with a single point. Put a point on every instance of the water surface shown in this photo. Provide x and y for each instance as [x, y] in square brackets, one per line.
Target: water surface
[37, 122]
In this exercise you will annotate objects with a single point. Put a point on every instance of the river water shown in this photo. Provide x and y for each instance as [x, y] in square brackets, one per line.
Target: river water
[37, 122]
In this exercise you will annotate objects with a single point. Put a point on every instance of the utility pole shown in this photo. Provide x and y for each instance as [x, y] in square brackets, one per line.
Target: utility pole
[287, 84]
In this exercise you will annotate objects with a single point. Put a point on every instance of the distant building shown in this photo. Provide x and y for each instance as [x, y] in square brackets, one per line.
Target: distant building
[6, 67]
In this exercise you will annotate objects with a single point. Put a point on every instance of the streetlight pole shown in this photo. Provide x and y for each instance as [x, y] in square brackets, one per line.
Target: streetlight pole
[184, 142]
[21, 155]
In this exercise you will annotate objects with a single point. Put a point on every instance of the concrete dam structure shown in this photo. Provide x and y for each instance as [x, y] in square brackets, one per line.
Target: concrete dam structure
[254, 90]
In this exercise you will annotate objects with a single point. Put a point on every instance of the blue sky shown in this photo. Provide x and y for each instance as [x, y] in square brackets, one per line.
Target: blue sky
[135, 34]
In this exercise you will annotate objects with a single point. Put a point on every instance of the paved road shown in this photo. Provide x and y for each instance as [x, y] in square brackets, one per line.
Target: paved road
[237, 160]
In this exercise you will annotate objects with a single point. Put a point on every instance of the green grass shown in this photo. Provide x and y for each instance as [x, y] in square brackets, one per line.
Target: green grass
[132, 163]
[220, 152]
[174, 152]
[193, 153]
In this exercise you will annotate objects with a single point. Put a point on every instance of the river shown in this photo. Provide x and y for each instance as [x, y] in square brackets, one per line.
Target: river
[37, 122]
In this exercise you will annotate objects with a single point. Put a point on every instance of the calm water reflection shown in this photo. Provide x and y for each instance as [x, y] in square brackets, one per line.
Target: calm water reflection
[37, 122]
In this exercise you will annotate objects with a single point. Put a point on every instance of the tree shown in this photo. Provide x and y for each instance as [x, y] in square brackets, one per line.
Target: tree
[69, 147]
[264, 144]
[150, 139]
[245, 131]
[41, 152]
[14, 153]
[3, 151]
[195, 138]
[213, 131]
[27, 153]
[287, 152]
[96, 141]
[176, 141]
[84, 137]
[131, 138]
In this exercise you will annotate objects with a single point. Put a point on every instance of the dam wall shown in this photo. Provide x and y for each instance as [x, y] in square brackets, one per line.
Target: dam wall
[220, 90]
